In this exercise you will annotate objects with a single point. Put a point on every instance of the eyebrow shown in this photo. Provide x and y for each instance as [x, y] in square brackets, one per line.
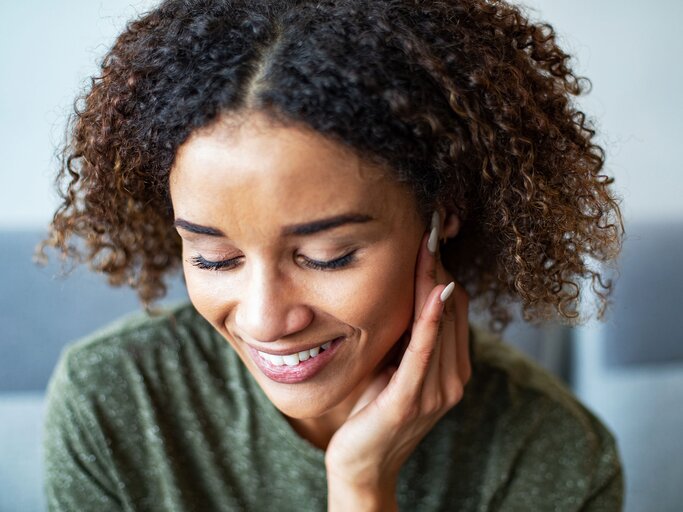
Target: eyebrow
[307, 228]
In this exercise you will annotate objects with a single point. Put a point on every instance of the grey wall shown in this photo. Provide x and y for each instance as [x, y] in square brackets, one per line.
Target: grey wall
[47, 50]
[631, 51]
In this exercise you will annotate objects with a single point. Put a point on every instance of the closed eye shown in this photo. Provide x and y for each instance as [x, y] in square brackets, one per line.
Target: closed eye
[337, 263]
[204, 264]
[334, 264]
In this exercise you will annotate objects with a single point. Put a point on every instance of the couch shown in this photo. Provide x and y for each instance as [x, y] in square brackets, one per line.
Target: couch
[628, 370]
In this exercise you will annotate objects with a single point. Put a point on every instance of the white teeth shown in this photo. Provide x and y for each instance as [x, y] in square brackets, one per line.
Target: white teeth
[291, 359]
[296, 358]
[276, 360]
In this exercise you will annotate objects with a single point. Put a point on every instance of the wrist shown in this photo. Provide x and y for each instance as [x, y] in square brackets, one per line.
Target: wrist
[343, 496]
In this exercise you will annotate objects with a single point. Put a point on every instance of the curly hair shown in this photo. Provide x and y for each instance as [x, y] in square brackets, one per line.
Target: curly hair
[466, 101]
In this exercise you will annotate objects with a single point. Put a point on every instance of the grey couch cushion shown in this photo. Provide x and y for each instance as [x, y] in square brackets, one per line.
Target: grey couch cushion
[40, 312]
[643, 326]
[21, 466]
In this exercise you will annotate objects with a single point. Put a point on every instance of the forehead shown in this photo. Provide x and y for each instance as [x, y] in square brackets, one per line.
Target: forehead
[229, 171]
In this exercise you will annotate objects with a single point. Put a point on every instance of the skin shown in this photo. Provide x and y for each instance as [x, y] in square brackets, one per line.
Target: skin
[249, 183]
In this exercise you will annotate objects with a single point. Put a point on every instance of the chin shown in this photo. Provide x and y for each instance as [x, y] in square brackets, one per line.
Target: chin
[300, 401]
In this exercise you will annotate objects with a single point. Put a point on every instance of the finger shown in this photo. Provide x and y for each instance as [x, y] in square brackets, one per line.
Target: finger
[425, 274]
[449, 339]
[434, 389]
[446, 330]
[418, 355]
[425, 270]
[431, 394]
[454, 327]
[454, 339]
[450, 379]
[375, 388]
[456, 362]
[461, 301]
[434, 375]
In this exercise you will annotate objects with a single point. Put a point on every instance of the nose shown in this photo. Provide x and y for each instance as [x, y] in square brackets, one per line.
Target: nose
[271, 308]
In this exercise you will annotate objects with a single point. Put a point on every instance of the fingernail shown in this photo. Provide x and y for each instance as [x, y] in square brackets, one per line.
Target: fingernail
[447, 292]
[435, 220]
[433, 240]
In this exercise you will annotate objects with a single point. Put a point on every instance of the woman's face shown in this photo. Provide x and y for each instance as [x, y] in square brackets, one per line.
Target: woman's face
[291, 242]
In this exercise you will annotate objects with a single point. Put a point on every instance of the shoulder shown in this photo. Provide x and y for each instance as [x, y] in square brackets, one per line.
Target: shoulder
[120, 397]
[548, 438]
[135, 345]
[519, 382]
[503, 364]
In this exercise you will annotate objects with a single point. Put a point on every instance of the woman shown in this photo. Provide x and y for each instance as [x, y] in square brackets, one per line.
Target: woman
[336, 179]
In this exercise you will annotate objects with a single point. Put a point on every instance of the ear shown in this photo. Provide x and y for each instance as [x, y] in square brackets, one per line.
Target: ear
[450, 226]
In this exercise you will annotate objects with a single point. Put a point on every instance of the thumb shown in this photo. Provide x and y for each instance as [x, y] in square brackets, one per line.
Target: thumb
[376, 387]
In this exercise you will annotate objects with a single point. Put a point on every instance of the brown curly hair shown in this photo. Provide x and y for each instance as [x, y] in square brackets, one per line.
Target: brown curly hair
[467, 101]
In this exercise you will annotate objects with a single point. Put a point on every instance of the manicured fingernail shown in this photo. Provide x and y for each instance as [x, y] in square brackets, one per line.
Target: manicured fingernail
[447, 292]
[435, 220]
[433, 240]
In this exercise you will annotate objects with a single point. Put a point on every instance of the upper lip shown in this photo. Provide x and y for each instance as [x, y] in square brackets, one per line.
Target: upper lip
[292, 350]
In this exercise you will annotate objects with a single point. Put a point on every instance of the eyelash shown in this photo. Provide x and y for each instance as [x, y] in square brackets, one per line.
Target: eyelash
[337, 263]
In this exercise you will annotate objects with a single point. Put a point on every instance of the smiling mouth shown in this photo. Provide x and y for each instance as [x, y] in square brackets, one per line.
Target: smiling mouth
[298, 366]
[295, 358]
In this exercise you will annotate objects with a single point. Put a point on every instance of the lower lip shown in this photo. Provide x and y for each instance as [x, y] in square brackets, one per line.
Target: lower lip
[293, 374]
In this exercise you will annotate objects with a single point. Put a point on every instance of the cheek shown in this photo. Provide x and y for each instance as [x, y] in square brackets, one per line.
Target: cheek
[378, 299]
[206, 293]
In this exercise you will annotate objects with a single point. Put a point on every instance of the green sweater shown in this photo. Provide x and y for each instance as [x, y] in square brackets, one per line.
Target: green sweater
[160, 414]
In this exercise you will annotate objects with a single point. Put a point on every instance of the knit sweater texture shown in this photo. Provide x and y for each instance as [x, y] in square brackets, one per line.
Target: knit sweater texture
[160, 414]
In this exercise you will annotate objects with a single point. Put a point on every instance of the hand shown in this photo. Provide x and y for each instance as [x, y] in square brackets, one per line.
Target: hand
[402, 404]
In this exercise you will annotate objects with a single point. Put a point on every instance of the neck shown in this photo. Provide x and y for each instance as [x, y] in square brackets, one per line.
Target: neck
[318, 431]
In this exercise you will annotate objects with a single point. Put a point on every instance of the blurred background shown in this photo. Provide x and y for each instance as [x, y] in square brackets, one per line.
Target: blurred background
[628, 370]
